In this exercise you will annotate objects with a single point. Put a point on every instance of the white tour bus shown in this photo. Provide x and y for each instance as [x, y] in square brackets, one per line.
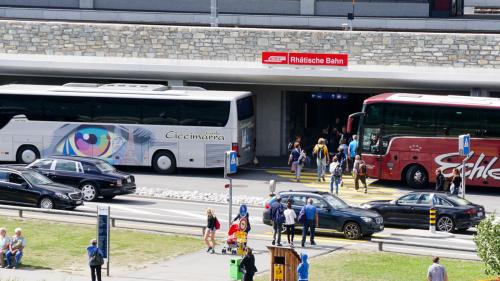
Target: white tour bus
[126, 124]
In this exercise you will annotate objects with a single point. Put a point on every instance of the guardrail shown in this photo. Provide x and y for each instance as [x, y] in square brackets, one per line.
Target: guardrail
[113, 219]
[421, 245]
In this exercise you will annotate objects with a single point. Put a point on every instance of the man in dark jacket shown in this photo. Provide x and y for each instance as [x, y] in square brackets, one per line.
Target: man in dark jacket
[247, 266]
[277, 219]
[440, 180]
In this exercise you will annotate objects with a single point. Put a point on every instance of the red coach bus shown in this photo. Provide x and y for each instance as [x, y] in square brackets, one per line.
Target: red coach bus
[407, 136]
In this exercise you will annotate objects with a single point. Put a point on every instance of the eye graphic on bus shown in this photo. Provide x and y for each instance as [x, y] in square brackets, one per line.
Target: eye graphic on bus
[91, 141]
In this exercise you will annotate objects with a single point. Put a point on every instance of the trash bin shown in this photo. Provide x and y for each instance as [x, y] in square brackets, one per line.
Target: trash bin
[234, 269]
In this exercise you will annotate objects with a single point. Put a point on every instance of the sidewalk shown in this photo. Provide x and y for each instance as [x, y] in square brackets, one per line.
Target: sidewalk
[192, 267]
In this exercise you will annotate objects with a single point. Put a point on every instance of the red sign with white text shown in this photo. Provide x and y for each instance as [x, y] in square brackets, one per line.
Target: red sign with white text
[305, 59]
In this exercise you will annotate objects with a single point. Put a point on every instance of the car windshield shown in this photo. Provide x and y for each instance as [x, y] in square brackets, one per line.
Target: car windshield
[36, 178]
[335, 201]
[459, 201]
[104, 167]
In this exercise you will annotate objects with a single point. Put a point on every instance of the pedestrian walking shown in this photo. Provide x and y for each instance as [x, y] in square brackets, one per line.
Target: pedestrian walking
[336, 175]
[342, 155]
[290, 218]
[436, 271]
[320, 151]
[310, 222]
[359, 171]
[351, 152]
[440, 180]
[247, 265]
[456, 182]
[212, 225]
[4, 246]
[277, 219]
[303, 268]
[293, 160]
[96, 260]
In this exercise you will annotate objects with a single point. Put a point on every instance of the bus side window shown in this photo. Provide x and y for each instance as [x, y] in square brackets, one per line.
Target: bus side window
[491, 123]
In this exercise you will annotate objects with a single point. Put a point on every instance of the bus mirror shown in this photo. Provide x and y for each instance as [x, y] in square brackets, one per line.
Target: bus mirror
[351, 119]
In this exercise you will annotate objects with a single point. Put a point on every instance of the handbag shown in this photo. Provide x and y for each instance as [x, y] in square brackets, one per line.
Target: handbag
[302, 215]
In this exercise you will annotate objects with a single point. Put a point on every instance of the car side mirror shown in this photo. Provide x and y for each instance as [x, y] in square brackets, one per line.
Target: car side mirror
[326, 209]
[25, 185]
[394, 202]
[91, 171]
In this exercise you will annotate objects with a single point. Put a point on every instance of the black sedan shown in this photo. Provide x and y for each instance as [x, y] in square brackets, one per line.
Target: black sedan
[333, 213]
[94, 177]
[412, 210]
[22, 186]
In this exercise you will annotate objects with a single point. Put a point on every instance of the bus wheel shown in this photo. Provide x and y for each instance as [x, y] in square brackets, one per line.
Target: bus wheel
[416, 177]
[164, 162]
[27, 154]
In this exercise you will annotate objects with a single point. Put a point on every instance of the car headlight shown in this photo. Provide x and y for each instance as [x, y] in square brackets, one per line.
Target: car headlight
[366, 206]
[62, 196]
[367, 219]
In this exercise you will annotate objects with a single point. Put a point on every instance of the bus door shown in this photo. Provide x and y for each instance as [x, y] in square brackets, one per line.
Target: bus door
[370, 139]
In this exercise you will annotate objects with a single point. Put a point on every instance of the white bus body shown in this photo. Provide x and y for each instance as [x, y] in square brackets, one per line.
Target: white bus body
[126, 124]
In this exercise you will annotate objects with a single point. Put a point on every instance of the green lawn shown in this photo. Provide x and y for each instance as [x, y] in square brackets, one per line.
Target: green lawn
[370, 266]
[63, 246]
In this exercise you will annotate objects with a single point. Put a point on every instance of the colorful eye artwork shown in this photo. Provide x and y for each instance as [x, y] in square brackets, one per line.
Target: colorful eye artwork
[87, 141]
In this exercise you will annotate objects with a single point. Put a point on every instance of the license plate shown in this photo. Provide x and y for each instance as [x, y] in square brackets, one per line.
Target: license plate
[480, 214]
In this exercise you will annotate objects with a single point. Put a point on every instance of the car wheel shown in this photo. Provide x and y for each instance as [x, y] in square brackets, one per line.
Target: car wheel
[416, 177]
[164, 162]
[445, 224]
[46, 203]
[352, 230]
[108, 197]
[26, 154]
[89, 191]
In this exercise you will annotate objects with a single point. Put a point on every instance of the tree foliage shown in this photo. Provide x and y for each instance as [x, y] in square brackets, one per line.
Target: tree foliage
[488, 244]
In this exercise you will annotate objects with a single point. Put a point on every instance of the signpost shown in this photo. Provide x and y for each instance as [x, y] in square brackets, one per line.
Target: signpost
[464, 150]
[230, 167]
[103, 227]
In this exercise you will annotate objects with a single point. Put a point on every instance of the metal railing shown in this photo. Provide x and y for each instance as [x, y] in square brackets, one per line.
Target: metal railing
[380, 243]
[113, 219]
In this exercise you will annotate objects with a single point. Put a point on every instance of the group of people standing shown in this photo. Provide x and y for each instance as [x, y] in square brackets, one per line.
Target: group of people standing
[455, 181]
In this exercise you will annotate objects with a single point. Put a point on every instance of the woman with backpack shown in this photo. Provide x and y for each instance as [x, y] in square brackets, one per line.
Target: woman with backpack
[212, 226]
[322, 158]
[96, 260]
[336, 175]
[359, 171]
[293, 160]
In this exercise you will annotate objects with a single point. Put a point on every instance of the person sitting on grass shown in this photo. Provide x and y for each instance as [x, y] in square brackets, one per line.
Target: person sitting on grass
[16, 248]
[4, 246]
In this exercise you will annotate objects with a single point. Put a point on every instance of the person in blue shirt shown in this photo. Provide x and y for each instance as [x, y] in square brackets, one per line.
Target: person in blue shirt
[311, 222]
[277, 219]
[95, 264]
[351, 154]
[303, 269]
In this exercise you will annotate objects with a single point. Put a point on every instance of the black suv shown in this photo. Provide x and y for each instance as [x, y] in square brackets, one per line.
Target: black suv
[333, 213]
[94, 177]
[22, 186]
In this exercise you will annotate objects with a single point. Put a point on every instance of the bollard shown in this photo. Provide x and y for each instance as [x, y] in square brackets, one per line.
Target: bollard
[113, 224]
[20, 213]
[432, 220]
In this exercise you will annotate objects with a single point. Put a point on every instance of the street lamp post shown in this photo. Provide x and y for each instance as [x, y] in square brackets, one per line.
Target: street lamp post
[214, 14]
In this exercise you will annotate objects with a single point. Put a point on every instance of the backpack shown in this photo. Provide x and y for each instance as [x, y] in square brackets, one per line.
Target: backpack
[302, 215]
[362, 169]
[321, 152]
[96, 258]
[337, 172]
[217, 224]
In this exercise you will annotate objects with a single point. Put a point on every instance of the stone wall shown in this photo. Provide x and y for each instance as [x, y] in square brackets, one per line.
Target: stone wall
[202, 43]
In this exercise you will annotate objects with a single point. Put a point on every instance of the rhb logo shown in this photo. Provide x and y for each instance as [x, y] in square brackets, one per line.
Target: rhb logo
[274, 58]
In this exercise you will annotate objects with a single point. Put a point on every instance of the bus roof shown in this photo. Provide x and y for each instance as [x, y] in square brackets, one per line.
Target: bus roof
[448, 100]
[142, 91]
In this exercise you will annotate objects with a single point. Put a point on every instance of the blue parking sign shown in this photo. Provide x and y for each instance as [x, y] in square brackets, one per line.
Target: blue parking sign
[464, 145]
[231, 162]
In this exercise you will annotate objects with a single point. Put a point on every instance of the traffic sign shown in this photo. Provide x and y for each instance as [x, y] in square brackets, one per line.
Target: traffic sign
[231, 162]
[464, 145]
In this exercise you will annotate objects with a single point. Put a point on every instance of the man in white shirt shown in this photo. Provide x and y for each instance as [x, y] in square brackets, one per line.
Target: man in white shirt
[4, 246]
[436, 271]
[290, 218]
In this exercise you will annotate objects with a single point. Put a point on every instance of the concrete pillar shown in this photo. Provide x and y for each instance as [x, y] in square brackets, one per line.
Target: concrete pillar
[86, 4]
[177, 83]
[268, 122]
[478, 92]
[307, 7]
